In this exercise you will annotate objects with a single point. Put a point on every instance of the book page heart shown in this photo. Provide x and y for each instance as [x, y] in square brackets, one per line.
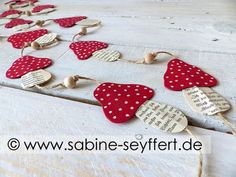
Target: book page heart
[69, 21]
[18, 40]
[34, 78]
[88, 22]
[107, 55]
[162, 116]
[84, 49]
[16, 22]
[43, 9]
[180, 75]
[46, 39]
[206, 101]
[121, 101]
[27, 64]
[11, 14]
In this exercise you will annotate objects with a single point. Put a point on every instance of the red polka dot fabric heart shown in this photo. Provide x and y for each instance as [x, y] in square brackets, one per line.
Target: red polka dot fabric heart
[39, 8]
[10, 12]
[121, 101]
[181, 75]
[69, 22]
[27, 64]
[18, 40]
[16, 22]
[84, 49]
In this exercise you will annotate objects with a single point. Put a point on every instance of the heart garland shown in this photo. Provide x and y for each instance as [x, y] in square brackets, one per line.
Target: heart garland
[18, 40]
[17, 22]
[26, 64]
[41, 9]
[11, 14]
[69, 21]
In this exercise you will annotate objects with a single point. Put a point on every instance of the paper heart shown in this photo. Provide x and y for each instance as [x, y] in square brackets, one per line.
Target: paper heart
[10, 12]
[18, 40]
[69, 22]
[121, 101]
[39, 8]
[27, 64]
[180, 75]
[16, 22]
[107, 55]
[84, 49]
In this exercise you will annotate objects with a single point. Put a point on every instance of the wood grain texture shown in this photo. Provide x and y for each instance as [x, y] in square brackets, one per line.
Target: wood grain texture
[201, 33]
[69, 118]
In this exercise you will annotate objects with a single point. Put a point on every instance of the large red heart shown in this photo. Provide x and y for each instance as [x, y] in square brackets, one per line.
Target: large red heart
[27, 64]
[121, 101]
[18, 40]
[69, 22]
[84, 49]
[16, 22]
[180, 75]
[39, 8]
[10, 12]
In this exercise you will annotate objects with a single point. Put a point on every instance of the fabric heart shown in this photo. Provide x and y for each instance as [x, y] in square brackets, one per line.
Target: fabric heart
[27, 64]
[180, 75]
[69, 22]
[84, 49]
[10, 12]
[18, 40]
[16, 22]
[39, 8]
[121, 101]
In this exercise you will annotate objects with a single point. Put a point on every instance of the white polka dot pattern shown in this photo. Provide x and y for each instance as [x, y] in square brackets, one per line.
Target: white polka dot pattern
[10, 12]
[16, 22]
[27, 64]
[18, 40]
[180, 75]
[69, 22]
[84, 49]
[121, 101]
[39, 8]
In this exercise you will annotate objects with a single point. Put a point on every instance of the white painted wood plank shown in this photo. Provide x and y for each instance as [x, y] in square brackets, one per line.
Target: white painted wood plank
[50, 116]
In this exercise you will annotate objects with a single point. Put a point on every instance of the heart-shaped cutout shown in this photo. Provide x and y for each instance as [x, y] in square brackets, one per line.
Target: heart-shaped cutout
[27, 64]
[107, 55]
[84, 49]
[69, 22]
[11, 14]
[18, 40]
[16, 22]
[121, 101]
[40, 8]
[180, 75]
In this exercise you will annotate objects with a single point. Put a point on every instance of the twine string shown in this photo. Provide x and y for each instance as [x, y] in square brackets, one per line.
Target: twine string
[227, 123]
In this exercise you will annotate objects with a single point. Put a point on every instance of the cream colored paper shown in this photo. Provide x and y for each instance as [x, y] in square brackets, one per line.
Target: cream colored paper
[88, 22]
[205, 100]
[46, 39]
[162, 116]
[107, 55]
[22, 27]
[35, 78]
[20, 5]
[13, 16]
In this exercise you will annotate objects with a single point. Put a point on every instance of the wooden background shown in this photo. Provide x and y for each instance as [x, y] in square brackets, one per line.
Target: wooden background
[200, 32]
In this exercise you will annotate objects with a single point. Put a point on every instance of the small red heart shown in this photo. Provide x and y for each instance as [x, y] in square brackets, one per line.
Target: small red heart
[180, 75]
[27, 64]
[18, 40]
[69, 22]
[84, 49]
[121, 101]
[39, 8]
[16, 22]
[19, 2]
[10, 12]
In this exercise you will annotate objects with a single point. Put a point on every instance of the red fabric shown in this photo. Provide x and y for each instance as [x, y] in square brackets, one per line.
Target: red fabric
[42, 7]
[10, 12]
[18, 2]
[16, 22]
[27, 64]
[180, 75]
[19, 39]
[68, 22]
[84, 49]
[121, 101]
